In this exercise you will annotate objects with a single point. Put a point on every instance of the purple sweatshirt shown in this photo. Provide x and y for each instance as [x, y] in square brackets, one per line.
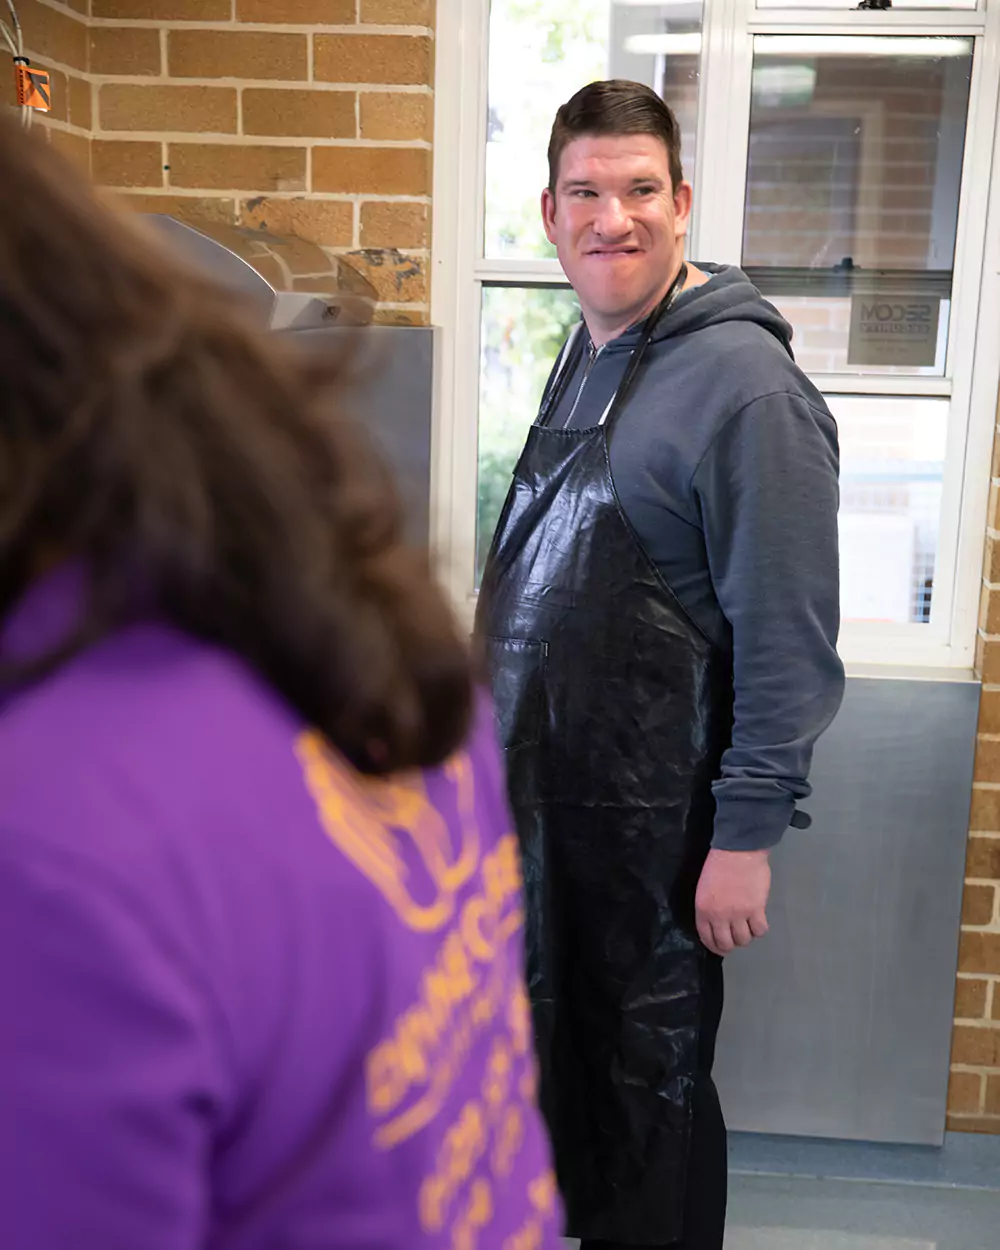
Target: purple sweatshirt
[249, 998]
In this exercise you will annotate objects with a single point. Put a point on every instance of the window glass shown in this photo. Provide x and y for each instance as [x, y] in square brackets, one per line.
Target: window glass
[853, 179]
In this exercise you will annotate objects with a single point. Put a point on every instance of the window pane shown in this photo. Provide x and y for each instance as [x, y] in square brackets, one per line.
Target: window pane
[853, 181]
[822, 332]
[852, 4]
[522, 330]
[541, 52]
[892, 455]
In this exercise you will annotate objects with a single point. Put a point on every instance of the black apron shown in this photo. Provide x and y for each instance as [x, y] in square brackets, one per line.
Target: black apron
[614, 710]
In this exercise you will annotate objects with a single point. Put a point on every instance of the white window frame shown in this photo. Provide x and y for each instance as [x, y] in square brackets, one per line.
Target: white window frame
[459, 271]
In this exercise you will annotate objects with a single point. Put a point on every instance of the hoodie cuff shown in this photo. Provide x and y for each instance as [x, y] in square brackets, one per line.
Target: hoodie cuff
[754, 824]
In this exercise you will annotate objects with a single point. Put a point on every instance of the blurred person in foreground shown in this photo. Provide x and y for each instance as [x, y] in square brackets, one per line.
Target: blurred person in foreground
[260, 909]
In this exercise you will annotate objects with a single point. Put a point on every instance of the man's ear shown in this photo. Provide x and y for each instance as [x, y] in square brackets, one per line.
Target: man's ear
[549, 214]
[683, 197]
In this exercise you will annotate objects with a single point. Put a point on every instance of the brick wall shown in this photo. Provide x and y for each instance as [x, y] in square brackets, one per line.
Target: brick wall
[55, 38]
[308, 118]
[974, 1092]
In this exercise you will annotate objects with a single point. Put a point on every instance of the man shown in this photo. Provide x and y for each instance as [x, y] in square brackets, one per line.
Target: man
[660, 614]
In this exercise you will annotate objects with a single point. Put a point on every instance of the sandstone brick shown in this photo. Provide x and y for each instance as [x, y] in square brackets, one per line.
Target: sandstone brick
[74, 147]
[970, 999]
[978, 904]
[991, 560]
[298, 12]
[979, 952]
[987, 760]
[995, 470]
[81, 103]
[237, 54]
[965, 1093]
[991, 1104]
[398, 12]
[396, 115]
[973, 1124]
[983, 859]
[989, 712]
[989, 612]
[809, 317]
[237, 167]
[165, 10]
[373, 171]
[31, 14]
[58, 92]
[995, 1013]
[124, 50]
[190, 208]
[8, 90]
[976, 1046]
[993, 515]
[985, 814]
[907, 200]
[404, 59]
[120, 163]
[308, 114]
[79, 6]
[328, 223]
[395, 223]
[52, 35]
[131, 106]
[397, 278]
[401, 317]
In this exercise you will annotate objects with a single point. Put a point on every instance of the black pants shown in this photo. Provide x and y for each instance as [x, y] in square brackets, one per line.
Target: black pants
[708, 1169]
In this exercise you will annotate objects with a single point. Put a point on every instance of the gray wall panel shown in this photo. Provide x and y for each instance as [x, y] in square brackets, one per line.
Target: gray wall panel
[393, 396]
[838, 1024]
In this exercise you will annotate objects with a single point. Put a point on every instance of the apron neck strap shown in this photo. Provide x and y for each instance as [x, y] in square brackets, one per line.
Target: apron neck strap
[566, 363]
[652, 321]
[572, 350]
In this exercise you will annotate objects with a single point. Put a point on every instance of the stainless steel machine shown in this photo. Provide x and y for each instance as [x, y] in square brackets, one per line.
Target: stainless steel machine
[391, 366]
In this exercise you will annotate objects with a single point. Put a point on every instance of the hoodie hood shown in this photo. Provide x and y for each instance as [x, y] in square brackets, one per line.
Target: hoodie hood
[729, 296]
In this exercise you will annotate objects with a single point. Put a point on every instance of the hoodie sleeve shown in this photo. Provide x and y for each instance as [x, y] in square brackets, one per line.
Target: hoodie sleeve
[767, 493]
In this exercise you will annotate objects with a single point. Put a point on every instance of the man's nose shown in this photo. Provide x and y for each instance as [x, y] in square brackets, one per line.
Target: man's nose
[612, 220]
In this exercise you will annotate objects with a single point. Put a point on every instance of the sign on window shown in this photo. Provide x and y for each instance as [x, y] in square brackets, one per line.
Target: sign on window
[893, 329]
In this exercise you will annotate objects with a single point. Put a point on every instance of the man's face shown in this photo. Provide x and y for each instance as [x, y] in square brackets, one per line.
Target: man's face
[618, 226]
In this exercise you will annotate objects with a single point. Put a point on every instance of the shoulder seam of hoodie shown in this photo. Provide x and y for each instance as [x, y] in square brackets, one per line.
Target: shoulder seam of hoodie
[818, 412]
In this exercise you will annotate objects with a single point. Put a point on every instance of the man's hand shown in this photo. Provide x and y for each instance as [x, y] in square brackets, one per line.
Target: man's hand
[731, 902]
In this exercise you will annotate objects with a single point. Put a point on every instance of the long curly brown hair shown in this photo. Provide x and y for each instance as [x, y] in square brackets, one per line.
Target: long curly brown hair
[199, 467]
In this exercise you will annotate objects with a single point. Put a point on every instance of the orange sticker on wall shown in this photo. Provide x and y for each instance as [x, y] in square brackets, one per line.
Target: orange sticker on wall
[34, 88]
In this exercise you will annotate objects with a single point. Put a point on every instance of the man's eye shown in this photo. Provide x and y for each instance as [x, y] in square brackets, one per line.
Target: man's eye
[645, 190]
[583, 193]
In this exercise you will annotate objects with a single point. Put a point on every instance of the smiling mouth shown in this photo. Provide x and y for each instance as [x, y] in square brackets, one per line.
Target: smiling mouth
[608, 252]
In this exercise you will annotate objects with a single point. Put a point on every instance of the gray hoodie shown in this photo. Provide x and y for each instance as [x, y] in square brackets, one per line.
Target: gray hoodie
[725, 460]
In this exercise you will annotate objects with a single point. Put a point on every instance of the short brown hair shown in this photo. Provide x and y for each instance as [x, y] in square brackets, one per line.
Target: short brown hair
[615, 107]
[199, 469]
